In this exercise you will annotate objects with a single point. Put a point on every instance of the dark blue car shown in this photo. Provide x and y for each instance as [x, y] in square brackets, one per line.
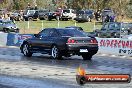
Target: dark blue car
[84, 15]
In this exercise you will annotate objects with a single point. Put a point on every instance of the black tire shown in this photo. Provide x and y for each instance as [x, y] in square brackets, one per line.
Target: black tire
[25, 50]
[87, 57]
[57, 18]
[55, 53]
[80, 80]
[46, 17]
[6, 30]
[30, 19]
[62, 19]
[113, 35]
[17, 31]
[89, 19]
[98, 35]
[66, 19]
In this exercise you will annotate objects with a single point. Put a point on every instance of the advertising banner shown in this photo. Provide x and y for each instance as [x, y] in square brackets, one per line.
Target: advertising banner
[115, 46]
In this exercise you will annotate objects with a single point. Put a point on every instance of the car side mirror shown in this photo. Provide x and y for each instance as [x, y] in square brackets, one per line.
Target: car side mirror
[103, 29]
[36, 35]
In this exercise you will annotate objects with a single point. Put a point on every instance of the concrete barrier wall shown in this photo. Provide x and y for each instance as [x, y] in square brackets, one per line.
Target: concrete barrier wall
[11, 39]
[3, 39]
[115, 46]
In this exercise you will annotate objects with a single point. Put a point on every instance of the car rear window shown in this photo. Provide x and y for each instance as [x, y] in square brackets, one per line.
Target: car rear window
[72, 32]
[109, 12]
[89, 12]
[43, 11]
[126, 25]
[66, 11]
[8, 22]
[80, 12]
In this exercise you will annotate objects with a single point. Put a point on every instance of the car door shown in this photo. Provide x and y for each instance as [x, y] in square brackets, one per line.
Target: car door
[53, 38]
[48, 38]
[104, 29]
[113, 29]
[40, 42]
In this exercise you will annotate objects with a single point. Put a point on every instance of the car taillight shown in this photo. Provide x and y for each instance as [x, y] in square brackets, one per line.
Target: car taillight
[93, 41]
[71, 41]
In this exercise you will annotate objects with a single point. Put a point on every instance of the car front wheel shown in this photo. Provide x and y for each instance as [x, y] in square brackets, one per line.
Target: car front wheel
[17, 31]
[55, 53]
[26, 51]
[6, 30]
[87, 57]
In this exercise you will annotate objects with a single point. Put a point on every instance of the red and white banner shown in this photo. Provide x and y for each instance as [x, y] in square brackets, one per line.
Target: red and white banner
[115, 46]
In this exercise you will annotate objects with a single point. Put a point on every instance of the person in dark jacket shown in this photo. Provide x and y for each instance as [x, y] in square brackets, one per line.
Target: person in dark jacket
[107, 19]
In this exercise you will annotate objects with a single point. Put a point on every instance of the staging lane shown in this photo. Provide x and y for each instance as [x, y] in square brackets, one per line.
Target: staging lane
[41, 66]
[105, 63]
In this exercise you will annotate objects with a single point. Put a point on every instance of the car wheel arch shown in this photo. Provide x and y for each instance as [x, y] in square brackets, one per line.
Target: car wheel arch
[6, 29]
[53, 45]
[24, 42]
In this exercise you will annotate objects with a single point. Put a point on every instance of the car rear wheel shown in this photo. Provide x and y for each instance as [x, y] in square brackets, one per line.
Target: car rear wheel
[89, 19]
[98, 35]
[30, 19]
[86, 57]
[26, 51]
[46, 17]
[6, 30]
[17, 31]
[55, 53]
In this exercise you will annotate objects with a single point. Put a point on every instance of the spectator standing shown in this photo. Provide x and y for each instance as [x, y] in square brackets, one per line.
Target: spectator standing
[36, 8]
[107, 19]
[98, 15]
[21, 15]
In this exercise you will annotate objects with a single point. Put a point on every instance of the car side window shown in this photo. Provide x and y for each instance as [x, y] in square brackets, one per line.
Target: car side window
[117, 26]
[1, 23]
[105, 26]
[45, 32]
[53, 33]
[112, 26]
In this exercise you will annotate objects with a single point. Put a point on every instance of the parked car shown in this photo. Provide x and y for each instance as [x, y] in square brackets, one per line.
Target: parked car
[84, 15]
[112, 29]
[50, 15]
[30, 15]
[58, 13]
[15, 16]
[41, 13]
[8, 26]
[68, 14]
[128, 26]
[108, 15]
[59, 42]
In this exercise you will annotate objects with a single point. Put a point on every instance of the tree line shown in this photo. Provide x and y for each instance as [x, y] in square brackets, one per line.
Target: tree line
[119, 6]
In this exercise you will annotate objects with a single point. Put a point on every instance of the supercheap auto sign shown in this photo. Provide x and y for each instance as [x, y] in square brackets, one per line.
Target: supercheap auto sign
[115, 46]
[114, 43]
